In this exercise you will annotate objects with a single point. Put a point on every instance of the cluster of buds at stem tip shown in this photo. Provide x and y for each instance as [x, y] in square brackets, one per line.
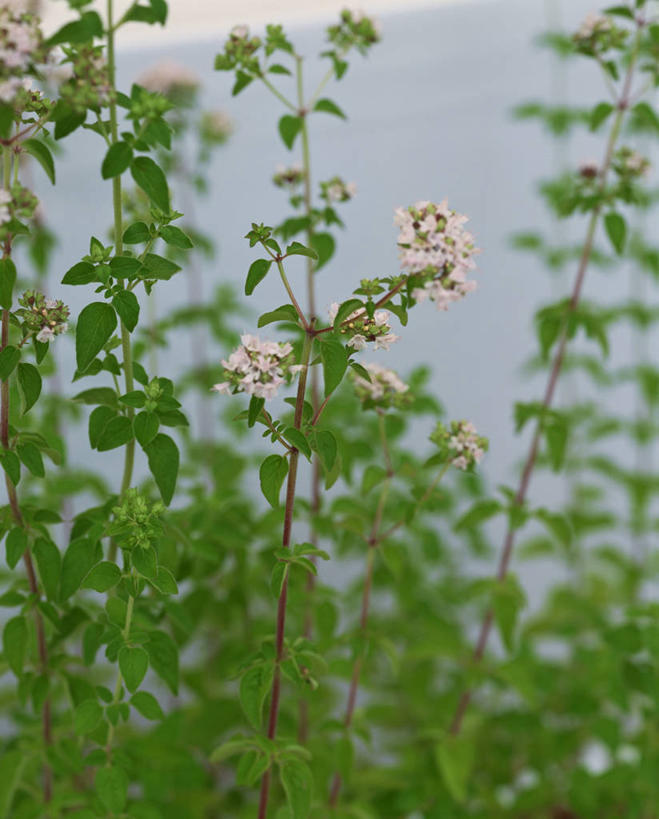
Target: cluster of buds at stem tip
[137, 521]
[258, 368]
[42, 317]
[630, 164]
[89, 85]
[336, 190]
[460, 444]
[354, 29]
[437, 251]
[360, 328]
[597, 34]
[239, 51]
[385, 388]
[22, 49]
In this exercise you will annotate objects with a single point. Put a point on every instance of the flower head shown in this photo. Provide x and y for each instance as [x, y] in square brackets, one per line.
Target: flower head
[460, 444]
[336, 190]
[598, 33]
[257, 367]
[360, 328]
[22, 49]
[169, 78]
[288, 177]
[437, 250]
[44, 318]
[215, 126]
[630, 164]
[354, 29]
[385, 389]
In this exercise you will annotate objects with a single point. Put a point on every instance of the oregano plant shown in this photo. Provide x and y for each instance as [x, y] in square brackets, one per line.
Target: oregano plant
[258, 586]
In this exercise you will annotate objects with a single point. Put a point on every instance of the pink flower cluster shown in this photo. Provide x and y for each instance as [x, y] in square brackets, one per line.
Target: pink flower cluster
[459, 443]
[592, 25]
[20, 49]
[385, 388]
[437, 250]
[257, 367]
[169, 77]
[361, 329]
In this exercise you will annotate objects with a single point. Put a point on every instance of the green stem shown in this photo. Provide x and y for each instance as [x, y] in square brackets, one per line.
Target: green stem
[291, 295]
[119, 681]
[127, 353]
[277, 93]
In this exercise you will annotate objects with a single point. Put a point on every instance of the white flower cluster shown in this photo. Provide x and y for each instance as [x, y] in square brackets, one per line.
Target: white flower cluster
[240, 32]
[20, 40]
[216, 125]
[385, 388]
[336, 190]
[168, 77]
[44, 318]
[435, 246]
[257, 367]
[593, 25]
[361, 329]
[461, 444]
[628, 162]
[290, 176]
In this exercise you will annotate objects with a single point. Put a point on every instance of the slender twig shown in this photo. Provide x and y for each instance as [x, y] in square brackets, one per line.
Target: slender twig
[129, 452]
[531, 458]
[289, 511]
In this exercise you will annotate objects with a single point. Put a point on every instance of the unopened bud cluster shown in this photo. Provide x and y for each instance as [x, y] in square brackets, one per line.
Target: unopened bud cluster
[89, 85]
[460, 443]
[45, 318]
[354, 29]
[336, 190]
[239, 51]
[137, 523]
[436, 248]
[630, 164]
[258, 368]
[384, 390]
[360, 329]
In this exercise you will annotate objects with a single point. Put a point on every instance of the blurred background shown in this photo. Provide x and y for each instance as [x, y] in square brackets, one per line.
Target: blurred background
[429, 117]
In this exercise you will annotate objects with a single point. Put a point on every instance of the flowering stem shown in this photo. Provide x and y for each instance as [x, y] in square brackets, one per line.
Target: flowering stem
[286, 542]
[531, 458]
[419, 503]
[276, 92]
[373, 542]
[119, 681]
[42, 647]
[129, 452]
[291, 295]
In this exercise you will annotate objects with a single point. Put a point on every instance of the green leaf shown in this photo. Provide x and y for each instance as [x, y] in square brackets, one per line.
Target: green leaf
[98, 421]
[152, 180]
[242, 80]
[117, 432]
[455, 758]
[11, 770]
[289, 128]
[117, 160]
[133, 664]
[147, 705]
[87, 716]
[346, 309]
[49, 563]
[271, 475]
[284, 313]
[327, 448]
[14, 643]
[480, 512]
[145, 561]
[163, 457]
[298, 249]
[146, 426]
[257, 272]
[176, 237]
[78, 560]
[83, 30]
[254, 687]
[136, 234]
[329, 107]
[80, 273]
[508, 599]
[616, 230]
[159, 267]
[324, 245]
[11, 465]
[98, 395]
[127, 306]
[163, 658]
[297, 438]
[334, 358]
[111, 786]
[103, 576]
[600, 114]
[164, 581]
[29, 385]
[7, 282]
[9, 358]
[297, 781]
[96, 323]
[29, 455]
[15, 545]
